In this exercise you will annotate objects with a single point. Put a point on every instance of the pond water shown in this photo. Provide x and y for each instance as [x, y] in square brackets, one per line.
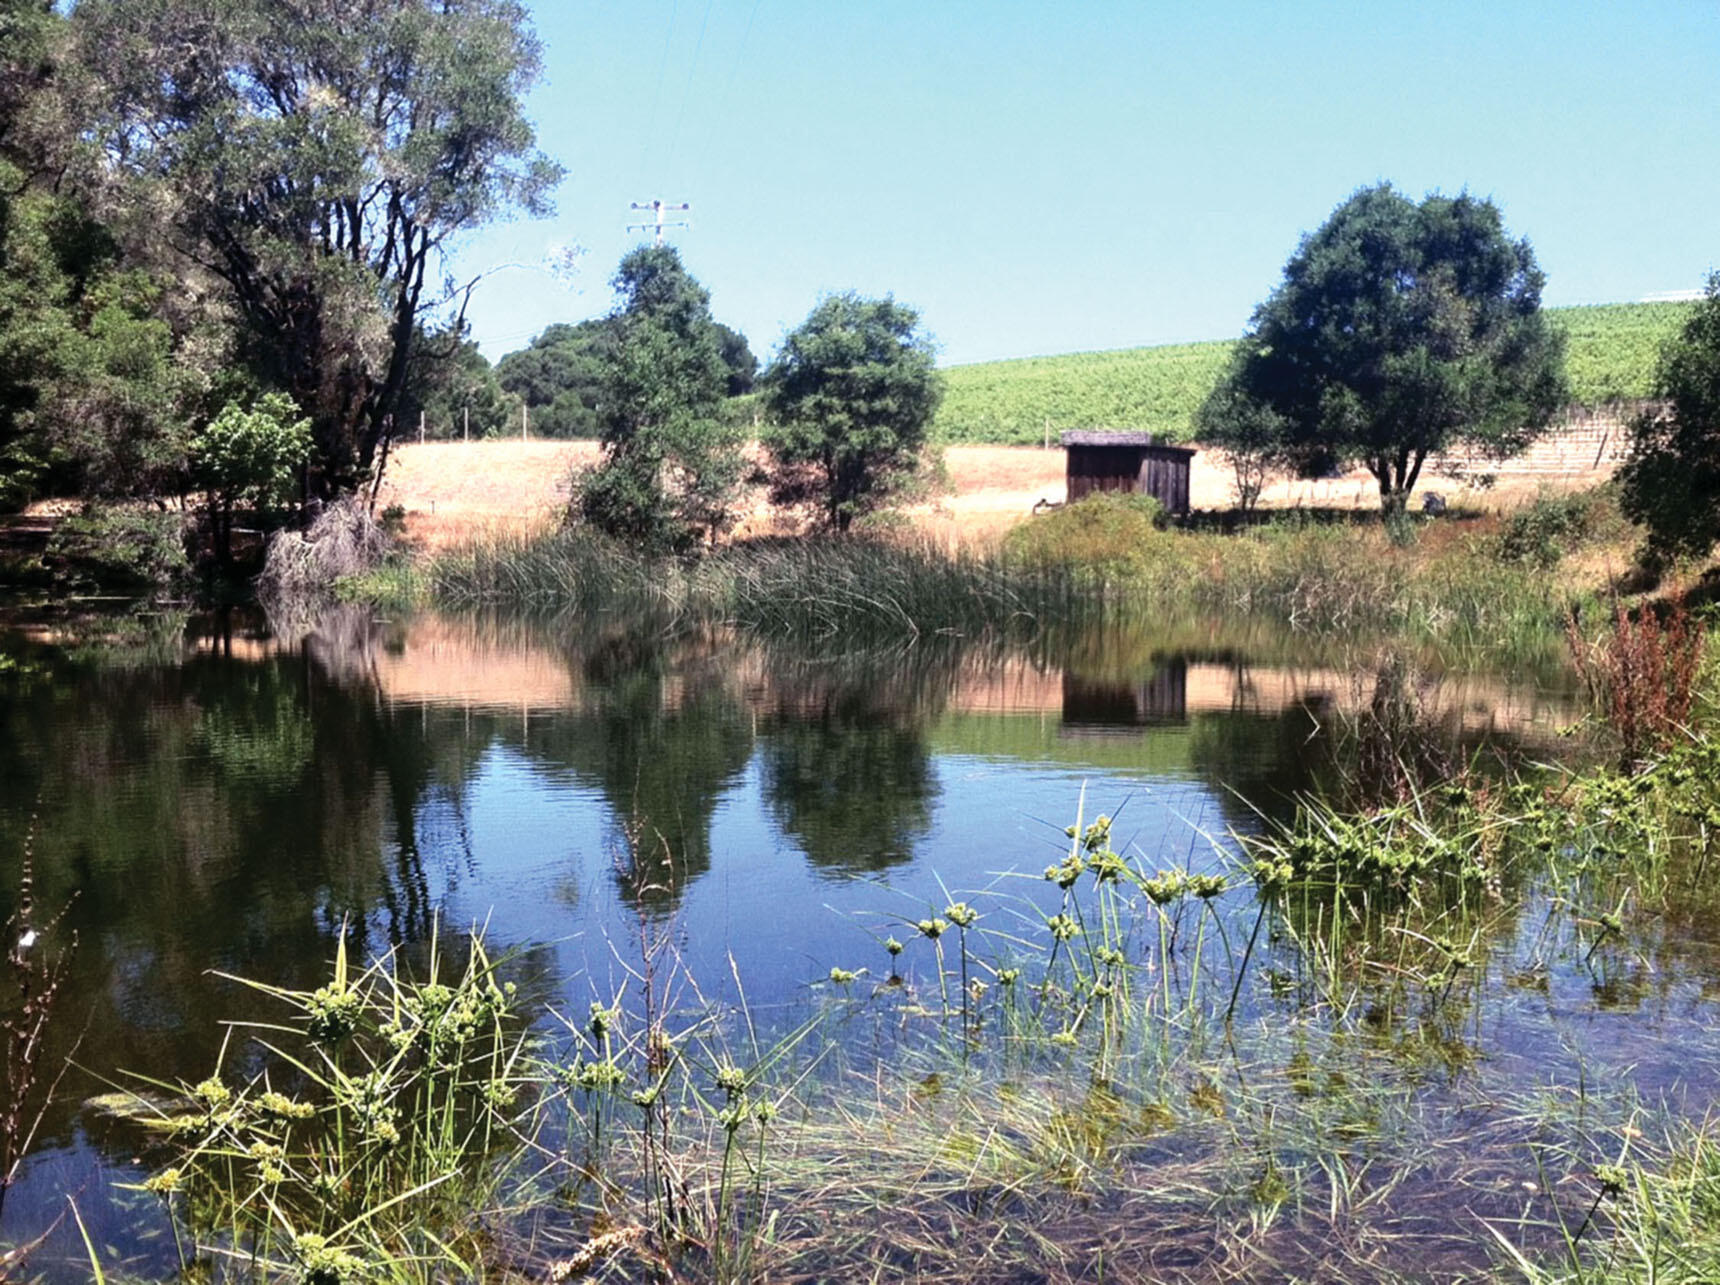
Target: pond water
[209, 801]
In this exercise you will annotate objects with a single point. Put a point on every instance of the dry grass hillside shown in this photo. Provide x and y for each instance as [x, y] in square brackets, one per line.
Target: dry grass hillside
[453, 489]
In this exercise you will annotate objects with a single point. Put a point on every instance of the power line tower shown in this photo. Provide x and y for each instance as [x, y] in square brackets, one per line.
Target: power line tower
[657, 226]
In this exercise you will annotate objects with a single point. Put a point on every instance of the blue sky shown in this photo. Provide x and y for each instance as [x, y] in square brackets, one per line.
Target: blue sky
[1053, 177]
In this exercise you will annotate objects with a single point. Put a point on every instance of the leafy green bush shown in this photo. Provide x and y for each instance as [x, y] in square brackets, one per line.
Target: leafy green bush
[1545, 530]
[1107, 531]
[248, 459]
[115, 546]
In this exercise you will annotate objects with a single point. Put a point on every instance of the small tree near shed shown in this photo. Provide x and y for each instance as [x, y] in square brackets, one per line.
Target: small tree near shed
[852, 395]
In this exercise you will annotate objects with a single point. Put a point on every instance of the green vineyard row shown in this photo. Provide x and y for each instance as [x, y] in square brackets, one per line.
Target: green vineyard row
[1610, 355]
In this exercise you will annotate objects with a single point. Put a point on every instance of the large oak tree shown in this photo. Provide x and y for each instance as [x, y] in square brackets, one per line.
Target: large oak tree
[318, 157]
[1400, 329]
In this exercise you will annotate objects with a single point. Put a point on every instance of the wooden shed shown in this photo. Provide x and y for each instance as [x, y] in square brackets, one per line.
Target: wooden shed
[1126, 461]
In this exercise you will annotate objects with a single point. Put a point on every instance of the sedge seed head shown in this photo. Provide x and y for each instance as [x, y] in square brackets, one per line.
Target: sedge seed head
[165, 1183]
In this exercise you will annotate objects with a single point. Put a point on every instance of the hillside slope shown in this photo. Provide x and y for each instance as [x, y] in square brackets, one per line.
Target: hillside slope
[1610, 356]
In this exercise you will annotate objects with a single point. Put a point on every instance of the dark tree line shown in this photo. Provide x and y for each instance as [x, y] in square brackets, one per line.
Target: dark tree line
[559, 375]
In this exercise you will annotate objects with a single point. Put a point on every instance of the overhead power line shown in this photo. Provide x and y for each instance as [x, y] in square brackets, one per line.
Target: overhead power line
[658, 225]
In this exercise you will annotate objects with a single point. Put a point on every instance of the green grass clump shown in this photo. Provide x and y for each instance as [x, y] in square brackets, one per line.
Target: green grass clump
[1106, 533]
[1611, 354]
[1317, 576]
[857, 591]
[385, 1119]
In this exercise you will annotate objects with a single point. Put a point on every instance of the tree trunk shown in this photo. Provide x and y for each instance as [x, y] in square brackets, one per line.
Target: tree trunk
[1397, 476]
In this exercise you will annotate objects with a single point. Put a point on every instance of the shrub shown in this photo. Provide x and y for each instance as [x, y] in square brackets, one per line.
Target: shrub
[120, 546]
[248, 459]
[1643, 674]
[1542, 532]
[1108, 531]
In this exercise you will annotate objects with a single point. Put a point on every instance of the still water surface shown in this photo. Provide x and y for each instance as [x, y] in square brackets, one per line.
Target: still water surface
[215, 800]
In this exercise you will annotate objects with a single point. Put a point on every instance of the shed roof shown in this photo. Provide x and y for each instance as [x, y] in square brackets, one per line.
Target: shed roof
[1116, 437]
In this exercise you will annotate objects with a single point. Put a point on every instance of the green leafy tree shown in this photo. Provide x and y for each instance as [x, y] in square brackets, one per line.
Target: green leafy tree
[42, 274]
[31, 33]
[1400, 330]
[248, 459]
[1250, 433]
[318, 160]
[452, 385]
[90, 393]
[738, 357]
[852, 394]
[1671, 482]
[560, 375]
[94, 388]
[671, 462]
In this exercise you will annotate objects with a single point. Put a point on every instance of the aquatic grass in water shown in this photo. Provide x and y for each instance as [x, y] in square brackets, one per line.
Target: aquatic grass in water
[1316, 577]
[853, 590]
[386, 1115]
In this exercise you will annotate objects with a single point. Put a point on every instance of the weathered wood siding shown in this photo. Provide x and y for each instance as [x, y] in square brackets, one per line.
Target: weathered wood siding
[1159, 471]
[1164, 476]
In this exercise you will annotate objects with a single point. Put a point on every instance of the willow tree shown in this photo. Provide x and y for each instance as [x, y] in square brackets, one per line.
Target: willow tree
[1401, 329]
[318, 157]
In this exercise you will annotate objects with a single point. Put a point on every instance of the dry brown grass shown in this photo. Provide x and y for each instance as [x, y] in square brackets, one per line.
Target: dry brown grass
[451, 490]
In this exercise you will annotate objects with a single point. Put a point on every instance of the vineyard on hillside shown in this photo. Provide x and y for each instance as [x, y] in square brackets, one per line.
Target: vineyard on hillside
[1610, 356]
